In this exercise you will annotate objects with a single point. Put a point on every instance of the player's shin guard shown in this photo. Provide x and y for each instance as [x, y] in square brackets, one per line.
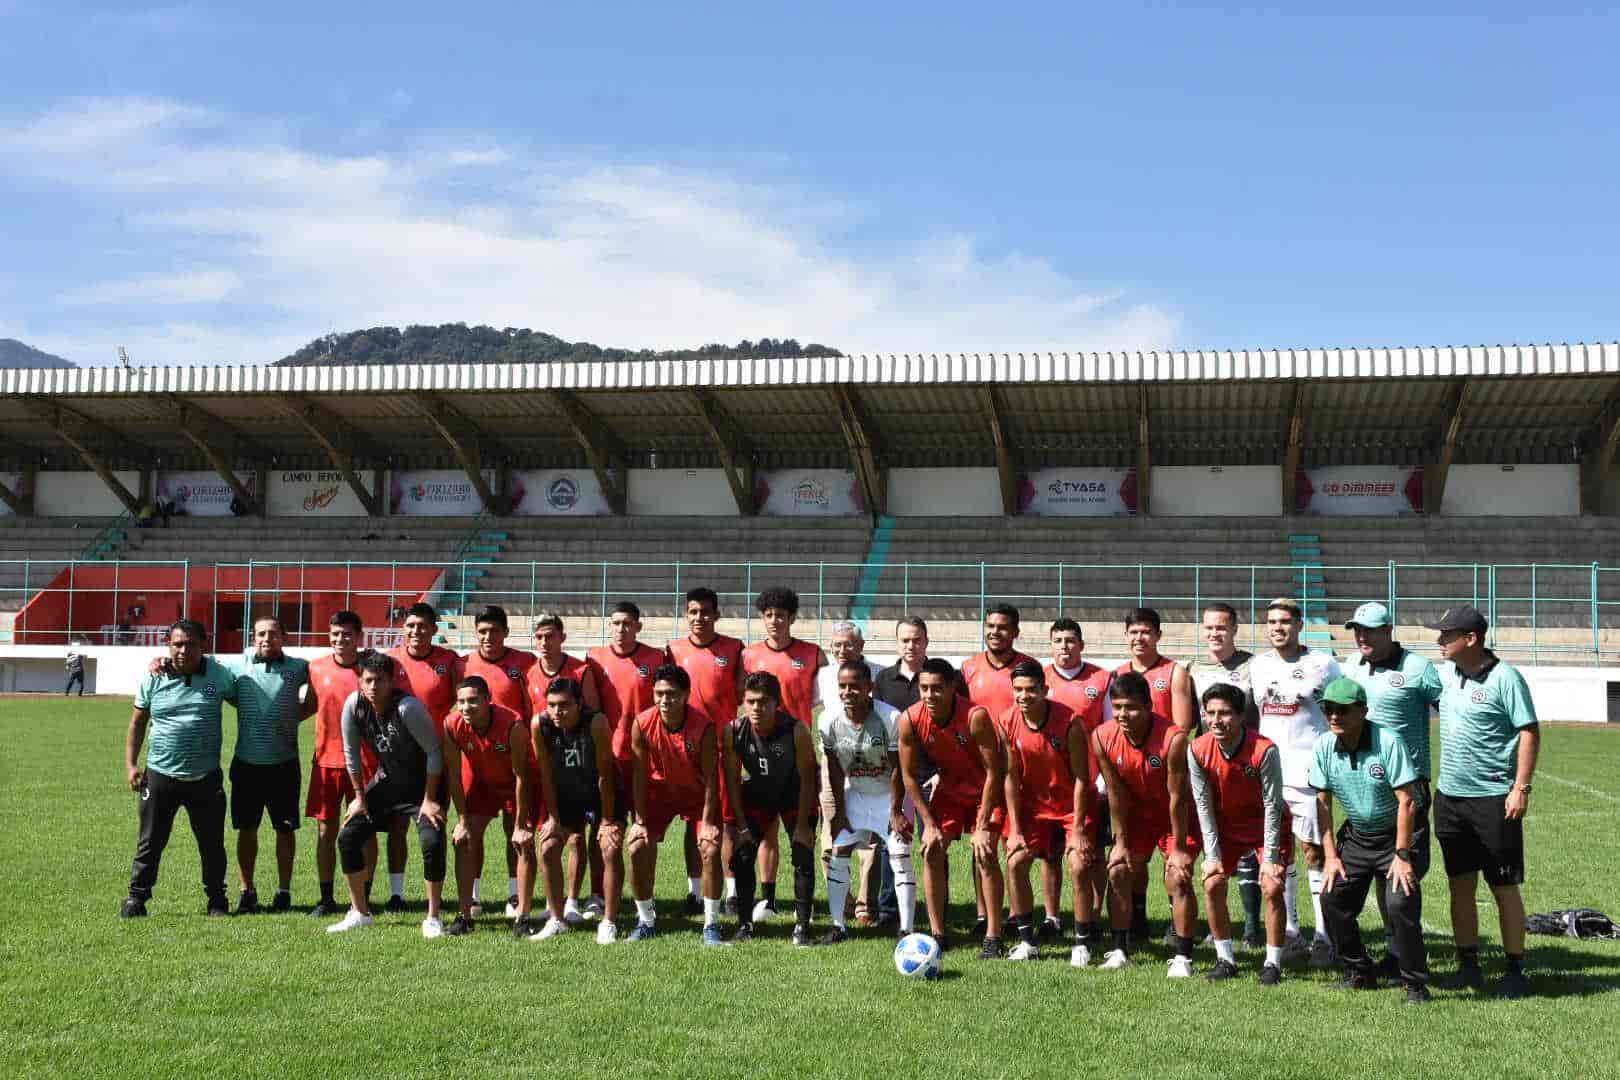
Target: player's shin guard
[1248, 883]
[837, 888]
[1291, 898]
[804, 882]
[905, 881]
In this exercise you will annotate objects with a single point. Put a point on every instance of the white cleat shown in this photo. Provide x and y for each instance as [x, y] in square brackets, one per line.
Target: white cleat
[352, 921]
[1116, 960]
[572, 915]
[432, 927]
[552, 928]
[1180, 967]
[1079, 957]
[1025, 951]
[607, 933]
[594, 907]
[1323, 954]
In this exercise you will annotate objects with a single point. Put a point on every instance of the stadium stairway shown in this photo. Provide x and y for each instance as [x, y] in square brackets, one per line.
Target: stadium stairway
[467, 566]
[1305, 551]
[877, 557]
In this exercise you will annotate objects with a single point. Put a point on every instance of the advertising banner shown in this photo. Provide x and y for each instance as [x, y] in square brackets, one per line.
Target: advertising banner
[546, 492]
[808, 493]
[1359, 491]
[1086, 492]
[435, 493]
[203, 493]
[309, 493]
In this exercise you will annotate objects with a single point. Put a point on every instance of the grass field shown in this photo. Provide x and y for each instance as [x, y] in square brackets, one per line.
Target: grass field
[181, 995]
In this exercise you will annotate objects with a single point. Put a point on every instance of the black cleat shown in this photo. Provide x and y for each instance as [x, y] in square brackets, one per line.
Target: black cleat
[1357, 980]
[836, 936]
[395, 905]
[1514, 985]
[460, 928]
[219, 908]
[248, 904]
[991, 949]
[743, 934]
[133, 908]
[693, 905]
[981, 926]
[1467, 977]
[281, 903]
[1271, 975]
[1223, 970]
[801, 936]
[325, 909]
[521, 927]
[1417, 995]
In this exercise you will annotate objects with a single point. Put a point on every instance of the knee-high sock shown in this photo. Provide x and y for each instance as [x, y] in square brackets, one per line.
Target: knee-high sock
[1316, 878]
[905, 881]
[1248, 883]
[742, 867]
[804, 882]
[837, 888]
[1291, 898]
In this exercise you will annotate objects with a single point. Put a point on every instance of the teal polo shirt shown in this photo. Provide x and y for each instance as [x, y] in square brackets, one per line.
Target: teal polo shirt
[184, 719]
[267, 709]
[1400, 692]
[1480, 720]
[1364, 778]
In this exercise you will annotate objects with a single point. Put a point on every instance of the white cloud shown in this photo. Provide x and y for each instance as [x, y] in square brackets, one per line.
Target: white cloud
[633, 255]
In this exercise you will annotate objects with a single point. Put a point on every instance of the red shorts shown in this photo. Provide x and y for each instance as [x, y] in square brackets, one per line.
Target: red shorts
[954, 818]
[1233, 853]
[660, 814]
[484, 800]
[329, 789]
[1147, 835]
[1048, 837]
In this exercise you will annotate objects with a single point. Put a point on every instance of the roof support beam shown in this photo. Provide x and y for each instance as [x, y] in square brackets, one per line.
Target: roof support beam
[602, 448]
[467, 442]
[1144, 452]
[1006, 461]
[81, 432]
[1456, 412]
[221, 445]
[342, 443]
[736, 452]
[864, 449]
[1597, 457]
[1295, 445]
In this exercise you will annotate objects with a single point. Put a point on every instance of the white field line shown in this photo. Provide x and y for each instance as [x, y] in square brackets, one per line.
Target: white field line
[1583, 788]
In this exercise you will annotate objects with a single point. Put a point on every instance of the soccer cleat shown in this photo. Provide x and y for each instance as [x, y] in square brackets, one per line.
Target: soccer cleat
[433, 927]
[1223, 970]
[711, 936]
[1051, 928]
[1357, 980]
[607, 932]
[395, 905]
[1080, 956]
[594, 906]
[219, 908]
[743, 934]
[324, 908]
[1024, 950]
[692, 905]
[1294, 946]
[572, 915]
[248, 904]
[801, 936]
[1417, 995]
[1466, 977]
[352, 921]
[522, 927]
[1389, 967]
[132, 908]
[1514, 985]
[281, 903]
[991, 949]
[1116, 960]
[460, 926]
[643, 932]
[552, 928]
[511, 909]
[1323, 954]
[836, 936]
[1271, 975]
[1180, 967]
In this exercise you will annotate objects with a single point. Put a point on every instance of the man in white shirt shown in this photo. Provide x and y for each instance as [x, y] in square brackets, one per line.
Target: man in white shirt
[846, 644]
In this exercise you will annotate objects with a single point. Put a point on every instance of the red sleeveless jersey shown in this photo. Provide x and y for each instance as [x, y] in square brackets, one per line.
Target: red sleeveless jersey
[1047, 792]
[794, 667]
[432, 679]
[1144, 771]
[486, 760]
[954, 752]
[1086, 695]
[675, 758]
[332, 683]
[573, 667]
[989, 685]
[625, 684]
[1240, 807]
[507, 677]
[716, 670]
[1159, 677]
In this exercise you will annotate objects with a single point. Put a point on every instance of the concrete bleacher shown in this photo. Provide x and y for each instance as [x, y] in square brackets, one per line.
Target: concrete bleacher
[205, 540]
[34, 550]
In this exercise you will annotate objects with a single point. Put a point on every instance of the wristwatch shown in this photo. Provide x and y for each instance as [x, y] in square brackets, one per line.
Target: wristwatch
[1523, 787]
[1405, 854]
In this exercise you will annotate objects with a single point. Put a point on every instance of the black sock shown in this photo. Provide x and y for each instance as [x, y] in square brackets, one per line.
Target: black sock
[1139, 911]
[1088, 933]
[1468, 956]
[1184, 946]
[1026, 929]
[326, 892]
[1122, 941]
[767, 893]
[1515, 963]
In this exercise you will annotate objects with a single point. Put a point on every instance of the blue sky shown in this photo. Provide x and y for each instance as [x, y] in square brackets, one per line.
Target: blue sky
[222, 183]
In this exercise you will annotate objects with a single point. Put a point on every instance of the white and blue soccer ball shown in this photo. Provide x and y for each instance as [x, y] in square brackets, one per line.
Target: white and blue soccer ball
[917, 957]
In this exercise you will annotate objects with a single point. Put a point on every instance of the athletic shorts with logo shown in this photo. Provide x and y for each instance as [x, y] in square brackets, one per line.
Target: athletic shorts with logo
[1476, 837]
[257, 789]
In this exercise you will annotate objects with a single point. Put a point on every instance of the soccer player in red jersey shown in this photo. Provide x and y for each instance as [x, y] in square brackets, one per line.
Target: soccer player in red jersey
[1143, 758]
[486, 764]
[427, 672]
[1237, 785]
[1083, 687]
[332, 679]
[624, 670]
[551, 663]
[714, 662]
[506, 672]
[795, 664]
[676, 774]
[961, 742]
[1048, 793]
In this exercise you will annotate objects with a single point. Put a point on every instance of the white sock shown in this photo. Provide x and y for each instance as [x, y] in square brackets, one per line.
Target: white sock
[711, 911]
[1223, 950]
[1291, 898]
[905, 882]
[1274, 955]
[511, 886]
[478, 883]
[396, 883]
[837, 888]
[731, 888]
[694, 886]
[1316, 878]
[647, 911]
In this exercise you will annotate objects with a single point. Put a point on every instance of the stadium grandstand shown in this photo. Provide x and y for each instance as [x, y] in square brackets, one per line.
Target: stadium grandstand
[873, 485]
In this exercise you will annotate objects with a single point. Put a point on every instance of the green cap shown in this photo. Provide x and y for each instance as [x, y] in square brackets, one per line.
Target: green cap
[1344, 691]
[1369, 617]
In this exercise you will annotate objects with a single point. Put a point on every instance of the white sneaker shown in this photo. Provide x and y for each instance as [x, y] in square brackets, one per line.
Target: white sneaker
[552, 928]
[1079, 956]
[1294, 946]
[594, 906]
[1323, 954]
[511, 911]
[571, 914]
[1180, 967]
[432, 927]
[1024, 951]
[1116, 960]
[349, 922]
[607, 933]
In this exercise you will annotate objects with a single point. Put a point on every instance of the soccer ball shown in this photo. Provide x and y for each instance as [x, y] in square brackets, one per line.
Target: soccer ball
[917, 957]
[762, 912]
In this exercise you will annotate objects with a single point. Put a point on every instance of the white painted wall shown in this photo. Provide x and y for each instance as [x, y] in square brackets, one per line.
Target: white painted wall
[81, 494]
[1222, 491]
[680, 493]
[944, 493]
[1512, 491]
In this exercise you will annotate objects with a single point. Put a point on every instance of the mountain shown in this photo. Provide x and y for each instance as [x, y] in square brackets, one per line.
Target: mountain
[14, 354]
[458, 343]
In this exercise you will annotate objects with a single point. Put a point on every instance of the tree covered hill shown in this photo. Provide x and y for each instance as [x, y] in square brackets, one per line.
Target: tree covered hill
[14, 354]
[458, 343]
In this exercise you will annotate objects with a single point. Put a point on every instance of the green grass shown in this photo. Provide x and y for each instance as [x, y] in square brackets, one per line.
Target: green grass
[180, 995]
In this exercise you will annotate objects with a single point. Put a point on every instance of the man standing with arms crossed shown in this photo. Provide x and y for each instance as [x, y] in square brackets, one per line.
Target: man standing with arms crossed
[1489, 740]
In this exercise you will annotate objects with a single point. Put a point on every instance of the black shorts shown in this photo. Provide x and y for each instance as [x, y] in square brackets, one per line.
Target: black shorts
[575, 817]
[256, 789]
[1475, 837]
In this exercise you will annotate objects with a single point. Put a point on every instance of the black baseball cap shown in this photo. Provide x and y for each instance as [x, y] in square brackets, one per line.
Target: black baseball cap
[1465, 618]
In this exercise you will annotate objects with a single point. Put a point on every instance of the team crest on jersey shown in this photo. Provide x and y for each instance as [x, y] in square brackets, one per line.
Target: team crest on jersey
[874, 740]
[440, 670]
[690, 749]
[1091, 692]
[1376, 772]
[1054, 742]
[1297, 673]
[1397, 680]
[209, 691]
[962, 738]
[501, 748]
[1477, 697]
[1161, 684]
[1250, 771]
[514, 674]
[641, 669]
[721, 661]
[1155, 761]
[798, 665]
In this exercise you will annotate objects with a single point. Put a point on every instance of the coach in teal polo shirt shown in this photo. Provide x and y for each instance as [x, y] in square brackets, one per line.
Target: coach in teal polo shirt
[272, 698]
[1366, 767]
[1489, 740]
[1402, 687]
[183, 705]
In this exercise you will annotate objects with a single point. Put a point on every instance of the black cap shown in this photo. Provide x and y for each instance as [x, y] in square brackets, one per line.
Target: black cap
[1466, 618]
